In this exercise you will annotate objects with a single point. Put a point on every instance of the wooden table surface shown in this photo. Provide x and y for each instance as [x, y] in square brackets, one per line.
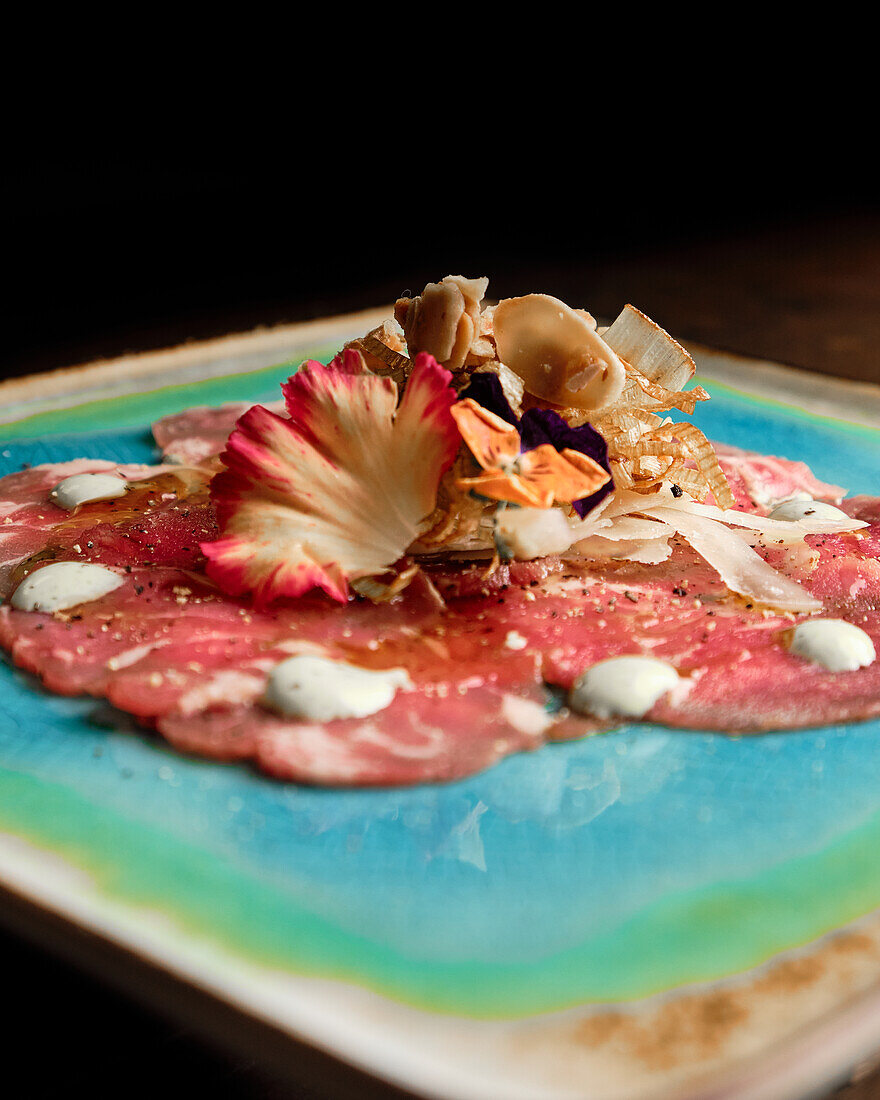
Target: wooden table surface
[803, 292]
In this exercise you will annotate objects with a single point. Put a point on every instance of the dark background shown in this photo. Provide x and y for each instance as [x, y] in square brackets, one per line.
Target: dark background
[109, 255]
[773, 256]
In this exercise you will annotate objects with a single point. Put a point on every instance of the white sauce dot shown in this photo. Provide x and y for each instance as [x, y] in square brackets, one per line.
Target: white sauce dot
[62, 585]
[624, 686]
[84, 488]
[320, 690]
[836, 645]
[514, 640]
[794, 510]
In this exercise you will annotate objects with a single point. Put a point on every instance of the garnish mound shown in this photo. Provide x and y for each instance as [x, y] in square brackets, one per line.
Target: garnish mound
[524, 430]
[487, 505]
[537, 461]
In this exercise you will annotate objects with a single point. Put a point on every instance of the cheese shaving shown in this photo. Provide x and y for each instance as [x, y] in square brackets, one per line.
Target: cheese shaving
[737, 564]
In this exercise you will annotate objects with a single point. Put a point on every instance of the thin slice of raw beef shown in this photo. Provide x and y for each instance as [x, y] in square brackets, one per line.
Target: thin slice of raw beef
[30, 523]
[176, 654]
[197, 435]
[484, 652]
[760, 481]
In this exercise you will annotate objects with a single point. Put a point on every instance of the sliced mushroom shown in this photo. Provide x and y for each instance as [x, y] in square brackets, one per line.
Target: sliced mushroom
[557, 352]
[444, 319]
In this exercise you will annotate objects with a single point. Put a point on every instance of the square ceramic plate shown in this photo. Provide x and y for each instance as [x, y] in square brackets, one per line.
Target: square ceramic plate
[640, 914]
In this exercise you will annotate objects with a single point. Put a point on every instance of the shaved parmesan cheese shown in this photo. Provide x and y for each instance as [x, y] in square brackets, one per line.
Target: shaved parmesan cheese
[625, 502]
[628, 538]
[649, 552]
[646, 551]
[741, 569]
[821, 519]
[632, 527]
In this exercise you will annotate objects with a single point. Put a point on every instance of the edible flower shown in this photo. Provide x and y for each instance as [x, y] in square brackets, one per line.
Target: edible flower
[338, 491]
[536, 461]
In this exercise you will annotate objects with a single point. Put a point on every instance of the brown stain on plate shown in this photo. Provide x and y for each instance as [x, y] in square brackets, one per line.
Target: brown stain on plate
[690, 1027]
[668, 1045]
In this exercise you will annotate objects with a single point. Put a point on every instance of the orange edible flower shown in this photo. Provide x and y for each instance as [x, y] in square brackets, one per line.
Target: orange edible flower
[537, 478]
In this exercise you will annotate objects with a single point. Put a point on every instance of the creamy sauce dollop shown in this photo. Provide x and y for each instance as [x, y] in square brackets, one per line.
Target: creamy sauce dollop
[319, 690]
[64, 584]
[835, 644]
[796, 509]
[84, 488]
[625, 687]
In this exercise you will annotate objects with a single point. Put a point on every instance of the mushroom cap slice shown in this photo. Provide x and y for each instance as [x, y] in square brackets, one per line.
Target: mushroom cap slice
[444, 320]
[557, 352]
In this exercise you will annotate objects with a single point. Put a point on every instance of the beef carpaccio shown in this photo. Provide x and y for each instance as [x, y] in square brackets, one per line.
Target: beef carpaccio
[479, 528]
[490, 654]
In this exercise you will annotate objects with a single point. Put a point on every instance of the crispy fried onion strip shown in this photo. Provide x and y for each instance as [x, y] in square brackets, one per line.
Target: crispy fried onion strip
[645, 451]
[663, 399]
[381, 591]
[657, 367]
[380, 358]
[460, 521]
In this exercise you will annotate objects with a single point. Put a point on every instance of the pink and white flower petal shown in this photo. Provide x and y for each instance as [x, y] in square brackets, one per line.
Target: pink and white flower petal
[340, 489]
